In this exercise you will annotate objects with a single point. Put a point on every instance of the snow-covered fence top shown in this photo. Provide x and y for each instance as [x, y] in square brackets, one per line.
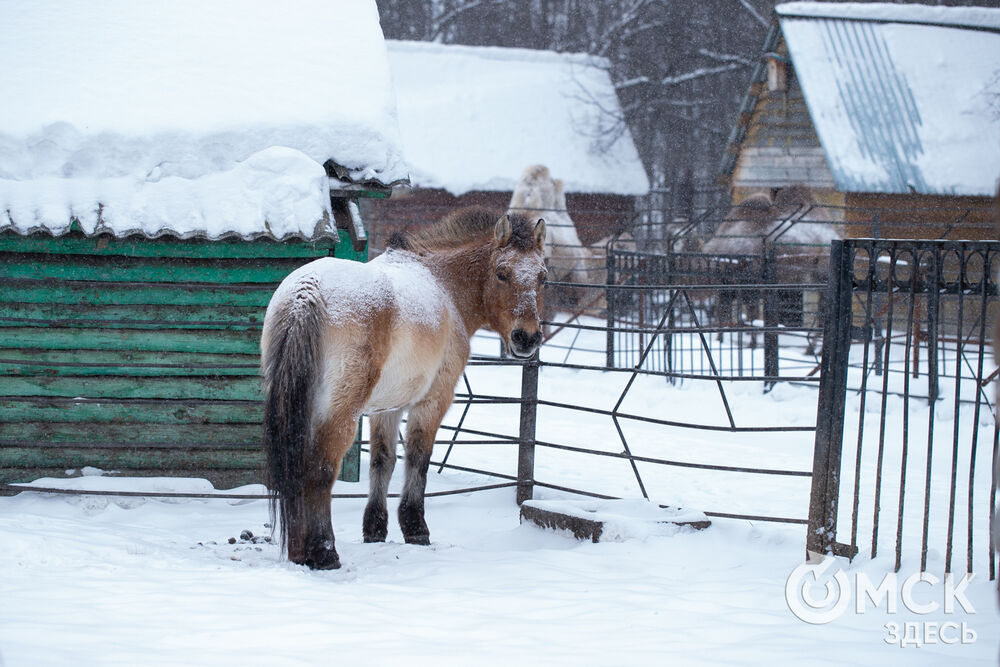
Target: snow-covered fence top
[472, 118]
[190, 117]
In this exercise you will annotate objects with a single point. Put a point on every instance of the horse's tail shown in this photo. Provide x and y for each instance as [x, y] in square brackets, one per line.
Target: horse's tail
[289, 365]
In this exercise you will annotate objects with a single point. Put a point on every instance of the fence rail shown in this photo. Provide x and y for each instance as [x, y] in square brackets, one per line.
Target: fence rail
[898, 459]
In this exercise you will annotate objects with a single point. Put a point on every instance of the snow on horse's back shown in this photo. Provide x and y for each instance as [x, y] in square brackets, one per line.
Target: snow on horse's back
[342, 339]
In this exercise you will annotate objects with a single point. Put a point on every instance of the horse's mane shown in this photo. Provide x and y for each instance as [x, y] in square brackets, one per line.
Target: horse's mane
[461, 227]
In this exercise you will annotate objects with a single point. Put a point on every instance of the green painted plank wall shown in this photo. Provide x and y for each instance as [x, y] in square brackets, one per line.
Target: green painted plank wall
[138, 355]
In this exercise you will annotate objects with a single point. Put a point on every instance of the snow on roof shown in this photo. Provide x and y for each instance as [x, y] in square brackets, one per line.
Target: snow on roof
[472, 118]
[901, 103]
[163, 117]
[969, 17]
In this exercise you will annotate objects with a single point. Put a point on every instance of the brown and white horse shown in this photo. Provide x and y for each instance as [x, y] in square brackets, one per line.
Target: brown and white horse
[342, 339]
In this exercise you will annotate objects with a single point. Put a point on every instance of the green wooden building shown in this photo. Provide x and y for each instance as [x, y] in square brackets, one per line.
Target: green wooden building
[140, 355]
[152, 196]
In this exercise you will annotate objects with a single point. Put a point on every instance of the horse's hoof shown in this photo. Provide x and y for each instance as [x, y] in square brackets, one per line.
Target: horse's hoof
[375, 525]
[325, 560]
[423, 540]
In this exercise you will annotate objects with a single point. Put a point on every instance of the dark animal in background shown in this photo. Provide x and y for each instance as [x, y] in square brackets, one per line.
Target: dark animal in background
[796, 230]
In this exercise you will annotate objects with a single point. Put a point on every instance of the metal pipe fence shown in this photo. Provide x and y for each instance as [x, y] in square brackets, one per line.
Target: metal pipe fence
[637, 458]
[896, 331]
[721, 313]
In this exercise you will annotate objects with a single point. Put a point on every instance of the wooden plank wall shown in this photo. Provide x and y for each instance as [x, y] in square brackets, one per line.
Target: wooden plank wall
[781, 147]
[137, 355]
[916, 216]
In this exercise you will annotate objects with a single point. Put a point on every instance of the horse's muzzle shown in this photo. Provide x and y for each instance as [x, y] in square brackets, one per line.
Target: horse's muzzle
[523, 344]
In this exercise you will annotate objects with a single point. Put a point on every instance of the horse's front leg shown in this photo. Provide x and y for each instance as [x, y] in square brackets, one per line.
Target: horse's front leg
[384, 435]
[421, 428]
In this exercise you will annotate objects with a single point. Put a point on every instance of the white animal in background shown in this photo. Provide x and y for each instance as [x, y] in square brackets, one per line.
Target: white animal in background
[538, 195]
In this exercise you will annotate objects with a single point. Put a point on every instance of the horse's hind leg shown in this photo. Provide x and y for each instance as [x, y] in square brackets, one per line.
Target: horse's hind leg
[384, 435]
[333, 439]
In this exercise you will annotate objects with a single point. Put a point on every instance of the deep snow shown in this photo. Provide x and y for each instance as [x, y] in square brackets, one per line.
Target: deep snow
[472, 118]
[179, 116]
[104, 580]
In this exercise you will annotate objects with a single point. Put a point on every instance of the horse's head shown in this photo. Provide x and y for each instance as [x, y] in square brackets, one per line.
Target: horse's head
[512, 294]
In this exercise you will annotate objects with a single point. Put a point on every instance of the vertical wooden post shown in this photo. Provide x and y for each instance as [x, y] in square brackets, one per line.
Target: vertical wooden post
[526, 435]
[825, 493]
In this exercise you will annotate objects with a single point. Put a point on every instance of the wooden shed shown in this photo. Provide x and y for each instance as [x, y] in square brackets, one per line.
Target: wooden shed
[473, 118]
[140, 244]
[887, 113]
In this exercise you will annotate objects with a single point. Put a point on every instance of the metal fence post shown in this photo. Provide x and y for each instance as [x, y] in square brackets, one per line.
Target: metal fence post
[770, 318]
[823, 499]
[526, 435]
[612, 303]
[933, 289]
[876, 324]
[670, 278]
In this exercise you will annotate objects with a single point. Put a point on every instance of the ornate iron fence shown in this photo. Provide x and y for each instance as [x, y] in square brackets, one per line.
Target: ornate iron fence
[907, 329]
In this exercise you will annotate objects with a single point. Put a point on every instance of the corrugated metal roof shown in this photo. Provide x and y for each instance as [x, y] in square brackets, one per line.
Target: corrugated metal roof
[965, 17]
[901, 106]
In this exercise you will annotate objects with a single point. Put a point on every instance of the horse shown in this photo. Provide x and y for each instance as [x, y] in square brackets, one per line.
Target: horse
[341, 339]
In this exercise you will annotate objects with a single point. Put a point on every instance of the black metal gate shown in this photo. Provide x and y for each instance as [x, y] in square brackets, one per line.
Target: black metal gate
[707, 313]
[908, 327]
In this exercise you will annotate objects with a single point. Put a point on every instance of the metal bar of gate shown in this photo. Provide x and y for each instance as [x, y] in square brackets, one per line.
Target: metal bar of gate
[823, 500]
[526, 435]
[771, 319]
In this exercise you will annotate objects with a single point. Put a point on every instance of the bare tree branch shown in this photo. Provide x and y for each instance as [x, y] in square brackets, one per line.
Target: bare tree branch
[725, 57]
[698, 73]
[634, 81]
[754, 13]
[612, 34]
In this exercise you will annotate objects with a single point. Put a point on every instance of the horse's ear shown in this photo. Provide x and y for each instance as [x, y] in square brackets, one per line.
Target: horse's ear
[502, 231]
[540, 234]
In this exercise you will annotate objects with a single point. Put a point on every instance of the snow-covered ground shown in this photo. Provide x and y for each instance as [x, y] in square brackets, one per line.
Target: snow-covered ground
[132, 580]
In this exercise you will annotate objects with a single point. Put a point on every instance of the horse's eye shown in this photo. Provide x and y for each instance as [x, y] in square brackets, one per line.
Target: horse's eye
[502, 276]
